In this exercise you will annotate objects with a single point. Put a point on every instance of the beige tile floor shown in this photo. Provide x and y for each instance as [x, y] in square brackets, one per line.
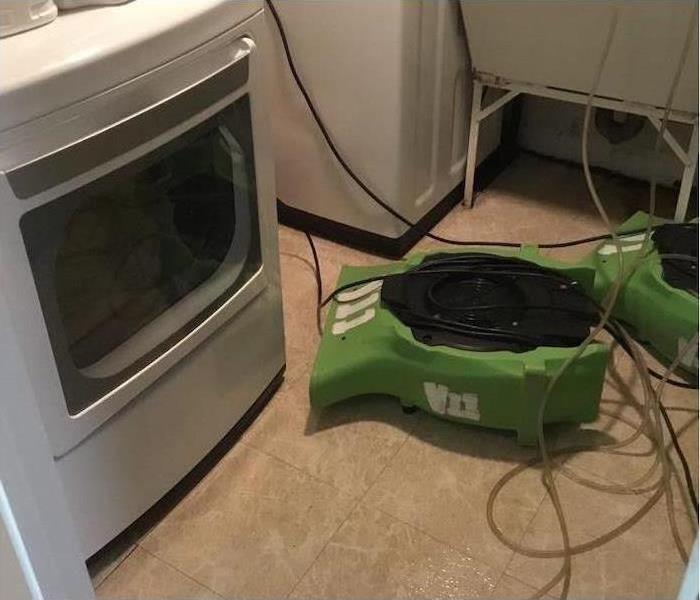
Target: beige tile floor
[363, 501]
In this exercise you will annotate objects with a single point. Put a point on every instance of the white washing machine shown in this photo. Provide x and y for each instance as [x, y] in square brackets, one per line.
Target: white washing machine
[138, 242]
[390, 81]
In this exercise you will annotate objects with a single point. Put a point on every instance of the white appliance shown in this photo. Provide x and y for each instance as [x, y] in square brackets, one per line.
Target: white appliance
[138, 245]
[558, 44]
[20, 15]
[552, 49]
[390, 81]
[71, 4]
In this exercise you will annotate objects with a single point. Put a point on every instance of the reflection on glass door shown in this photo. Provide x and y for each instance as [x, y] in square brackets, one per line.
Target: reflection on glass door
[128, 264]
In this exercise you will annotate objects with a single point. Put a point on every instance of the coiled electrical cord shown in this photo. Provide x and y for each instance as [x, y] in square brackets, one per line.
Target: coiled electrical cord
[567, 551]
[614, 330]
[565, 572]
[501, 271]
[658, 488]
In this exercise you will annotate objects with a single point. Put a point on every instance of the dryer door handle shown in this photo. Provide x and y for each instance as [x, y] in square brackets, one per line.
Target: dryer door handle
[39, 175]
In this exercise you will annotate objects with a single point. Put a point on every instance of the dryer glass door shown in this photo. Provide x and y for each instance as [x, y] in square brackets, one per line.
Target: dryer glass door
[129, 264]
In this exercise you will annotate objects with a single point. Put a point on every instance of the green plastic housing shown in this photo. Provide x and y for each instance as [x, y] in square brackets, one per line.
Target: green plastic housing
[366, 350]
[658, 315]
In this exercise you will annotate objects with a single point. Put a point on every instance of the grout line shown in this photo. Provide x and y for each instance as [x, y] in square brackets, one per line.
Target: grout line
[328, 541]
[301, 471]
[251, 444]
[459, 549]
[525, 530]
[176, 568]
[332, 248]
[117, 565]
[306, 473]
[520, 541]
[315, 478]
[427, 534]
[144, 534]
[293, 379]
[553, 443]
[534, 589]
[503, 573]
[350, 512]
[362, 496]
[522, 537]
[292, 255]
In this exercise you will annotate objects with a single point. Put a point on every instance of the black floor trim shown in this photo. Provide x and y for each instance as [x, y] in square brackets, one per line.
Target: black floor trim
[361, 239]
[389, 247]
[162, 507]
[386, 246]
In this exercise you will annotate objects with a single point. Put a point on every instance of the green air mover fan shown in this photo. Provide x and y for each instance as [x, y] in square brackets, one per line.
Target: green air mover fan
[659, 303]
[472, 337]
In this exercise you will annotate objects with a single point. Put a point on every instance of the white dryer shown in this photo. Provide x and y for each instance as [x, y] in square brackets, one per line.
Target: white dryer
[390, 81]
[138, 243]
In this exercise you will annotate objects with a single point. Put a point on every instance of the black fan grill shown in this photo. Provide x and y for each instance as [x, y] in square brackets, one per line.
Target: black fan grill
[488, 302]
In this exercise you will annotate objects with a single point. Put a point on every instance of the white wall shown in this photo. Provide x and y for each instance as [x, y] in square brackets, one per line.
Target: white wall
[553, 128]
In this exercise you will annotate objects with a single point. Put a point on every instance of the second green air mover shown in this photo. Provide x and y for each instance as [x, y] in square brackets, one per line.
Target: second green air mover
[473, 337]
[659, 301]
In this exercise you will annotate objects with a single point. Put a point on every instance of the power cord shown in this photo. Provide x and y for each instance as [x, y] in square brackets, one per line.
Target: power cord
[319, 282]
[372, 195]
[684, 461]
[613, 330]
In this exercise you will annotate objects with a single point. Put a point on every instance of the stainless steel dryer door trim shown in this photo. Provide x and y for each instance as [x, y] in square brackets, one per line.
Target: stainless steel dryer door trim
[41, 174]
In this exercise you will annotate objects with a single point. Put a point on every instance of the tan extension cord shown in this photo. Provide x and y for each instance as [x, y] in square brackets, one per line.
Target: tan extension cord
[651, 418]
[650, 410]
[659, 488]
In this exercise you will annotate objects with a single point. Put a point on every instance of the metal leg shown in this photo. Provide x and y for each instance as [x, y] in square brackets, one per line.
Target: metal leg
[688, 176]
[474, 122]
